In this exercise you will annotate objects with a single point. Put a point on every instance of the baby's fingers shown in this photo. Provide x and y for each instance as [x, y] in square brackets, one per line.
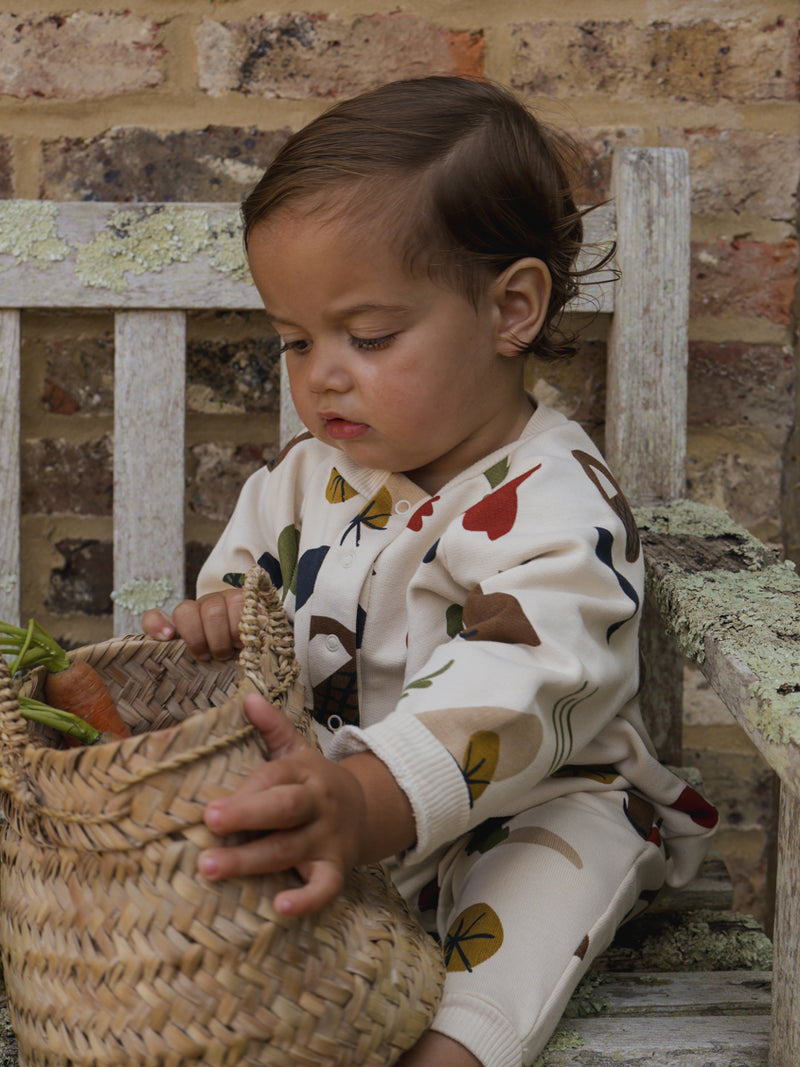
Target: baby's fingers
[157, 624]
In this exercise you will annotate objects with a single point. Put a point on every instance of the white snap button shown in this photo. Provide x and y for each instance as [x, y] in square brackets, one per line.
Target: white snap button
[335, 722]
[332, 642]
[402, 506]
[347, 560]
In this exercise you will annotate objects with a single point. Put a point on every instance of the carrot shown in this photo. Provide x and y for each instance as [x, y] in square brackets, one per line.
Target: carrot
[73, 687]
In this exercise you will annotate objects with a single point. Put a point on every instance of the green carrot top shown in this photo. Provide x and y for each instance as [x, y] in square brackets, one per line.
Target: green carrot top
[31, 647]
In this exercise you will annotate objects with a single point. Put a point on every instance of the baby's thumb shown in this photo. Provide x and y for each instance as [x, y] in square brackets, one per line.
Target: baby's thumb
[280, 737]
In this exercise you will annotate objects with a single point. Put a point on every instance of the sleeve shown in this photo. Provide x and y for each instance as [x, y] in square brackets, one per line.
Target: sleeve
[545, 657]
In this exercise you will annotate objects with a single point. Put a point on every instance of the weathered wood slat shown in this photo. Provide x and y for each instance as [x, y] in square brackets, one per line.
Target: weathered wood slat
[149, 479]
[785, 1033]
[9, 465]
[648, 342]
[718, 1019]
[185, 256]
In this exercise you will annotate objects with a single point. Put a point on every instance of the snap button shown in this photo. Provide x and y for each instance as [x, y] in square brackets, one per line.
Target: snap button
[332, 643]
[347, 559]
[402, 506]
[335, 722]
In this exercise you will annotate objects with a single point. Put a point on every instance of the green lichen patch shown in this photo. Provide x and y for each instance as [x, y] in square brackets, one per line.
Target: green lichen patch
[736, 596]
[141, 594]
[563, 1038]
[141, 241]
[29, 232]
[586, 1001]
[709, 941]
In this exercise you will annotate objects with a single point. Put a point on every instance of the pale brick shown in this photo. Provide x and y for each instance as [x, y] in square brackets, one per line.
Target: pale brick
[300, 56]
[83, 55]
[598, 145]
[740, 171]
[739, 384]
[744, 60]
[751, 279]
[217, 473]
[61, 476]
[130, 163]
[738, 469]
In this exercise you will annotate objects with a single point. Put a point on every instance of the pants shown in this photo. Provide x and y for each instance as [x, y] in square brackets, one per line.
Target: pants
[523, 906]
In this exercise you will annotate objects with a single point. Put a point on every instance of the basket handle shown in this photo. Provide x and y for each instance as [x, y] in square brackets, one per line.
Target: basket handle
[265, 631]
[13, 737]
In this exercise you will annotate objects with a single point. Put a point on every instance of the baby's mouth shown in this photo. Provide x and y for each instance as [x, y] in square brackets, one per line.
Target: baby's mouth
[344, 429]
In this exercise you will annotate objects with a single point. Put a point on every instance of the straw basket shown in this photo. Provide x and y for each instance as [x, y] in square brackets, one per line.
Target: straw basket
[116, 952]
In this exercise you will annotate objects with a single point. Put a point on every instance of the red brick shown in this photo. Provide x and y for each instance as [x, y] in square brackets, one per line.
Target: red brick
[751, 279]
[83, 55]
[744, 60]
[297, 56]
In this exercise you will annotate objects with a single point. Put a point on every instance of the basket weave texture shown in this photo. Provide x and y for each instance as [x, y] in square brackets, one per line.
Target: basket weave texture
[116, 952]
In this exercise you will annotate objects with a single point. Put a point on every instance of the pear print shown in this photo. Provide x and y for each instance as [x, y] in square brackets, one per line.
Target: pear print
[496, 514]
[473, 938]
[375, 516]
[480, 762]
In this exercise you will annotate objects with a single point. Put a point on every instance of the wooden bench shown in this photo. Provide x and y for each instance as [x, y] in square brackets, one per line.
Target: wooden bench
[714, 593]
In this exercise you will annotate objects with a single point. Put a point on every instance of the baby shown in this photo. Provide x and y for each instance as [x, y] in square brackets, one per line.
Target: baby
[461, 569]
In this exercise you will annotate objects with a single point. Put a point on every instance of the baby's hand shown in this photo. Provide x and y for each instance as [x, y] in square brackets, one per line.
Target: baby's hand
[306, 811]
[209, 626]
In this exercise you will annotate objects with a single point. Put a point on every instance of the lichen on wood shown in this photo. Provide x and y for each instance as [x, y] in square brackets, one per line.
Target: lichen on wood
[141, 594]
[29, 232]
[138, 242]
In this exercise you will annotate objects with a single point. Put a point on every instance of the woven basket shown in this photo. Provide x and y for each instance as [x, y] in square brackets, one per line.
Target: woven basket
[116, 952]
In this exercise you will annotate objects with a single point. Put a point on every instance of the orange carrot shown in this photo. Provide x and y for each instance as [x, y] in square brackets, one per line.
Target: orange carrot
[74, 687]
[80, 690]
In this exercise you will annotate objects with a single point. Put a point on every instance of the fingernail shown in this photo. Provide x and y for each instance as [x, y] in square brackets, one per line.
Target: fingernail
[212, 817]
[207, 865]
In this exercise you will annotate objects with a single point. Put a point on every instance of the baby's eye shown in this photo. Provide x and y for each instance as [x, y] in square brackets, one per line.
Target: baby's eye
[372, 344]
[295, 346]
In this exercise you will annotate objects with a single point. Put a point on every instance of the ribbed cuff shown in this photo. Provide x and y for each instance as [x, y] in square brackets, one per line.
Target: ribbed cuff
[481, 1027]
[424, 770]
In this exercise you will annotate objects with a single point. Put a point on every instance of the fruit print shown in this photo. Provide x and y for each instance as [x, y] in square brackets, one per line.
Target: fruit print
[498, 473]
[473, 938]
[288, 549]
[603, 551]
[375, 516]
[336, 696]
[496, 514]
[539, 835]
[423, 512]
[338, 490]
[469, 735]
[427, 680]
[496, 617]
[480, 762]
[609, 489]
[308, 567]
[697, 808]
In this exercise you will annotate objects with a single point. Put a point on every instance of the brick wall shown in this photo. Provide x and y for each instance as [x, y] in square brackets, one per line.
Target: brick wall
[188, 100]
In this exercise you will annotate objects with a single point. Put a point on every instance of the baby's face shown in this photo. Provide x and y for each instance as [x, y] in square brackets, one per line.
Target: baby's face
[395, 370]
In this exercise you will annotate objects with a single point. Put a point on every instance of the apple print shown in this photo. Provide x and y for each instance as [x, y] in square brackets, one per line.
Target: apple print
[496, 514]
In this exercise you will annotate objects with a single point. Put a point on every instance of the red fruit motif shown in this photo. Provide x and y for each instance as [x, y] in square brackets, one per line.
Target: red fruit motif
[422, 512]
[496, 514]
[697, 808]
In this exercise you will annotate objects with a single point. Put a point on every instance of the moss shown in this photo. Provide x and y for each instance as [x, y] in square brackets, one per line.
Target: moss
[141, 594]
[136, 242]
[586, 1001]
[563, 1038]
[709, 941]
[748, 602]
[29, 232]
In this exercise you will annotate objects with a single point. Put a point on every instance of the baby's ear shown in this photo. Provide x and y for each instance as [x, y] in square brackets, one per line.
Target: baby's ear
[521, 295]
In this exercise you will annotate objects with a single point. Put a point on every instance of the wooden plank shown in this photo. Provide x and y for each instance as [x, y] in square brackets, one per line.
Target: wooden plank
[186, 256]
[734, 607]
[707, 1019]
[149, 479]
[785, 1036]
[9, 466]
[648, 341]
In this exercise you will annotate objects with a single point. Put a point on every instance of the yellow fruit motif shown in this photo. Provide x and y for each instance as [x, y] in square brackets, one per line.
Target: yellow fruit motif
[480, 762]
[519, 739]
[337, 489]
[473, 938]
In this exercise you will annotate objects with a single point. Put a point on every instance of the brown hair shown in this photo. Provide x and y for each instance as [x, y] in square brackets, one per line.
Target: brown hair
[462, 177]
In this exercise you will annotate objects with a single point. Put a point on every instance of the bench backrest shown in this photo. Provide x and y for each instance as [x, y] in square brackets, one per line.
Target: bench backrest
[151, 263]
